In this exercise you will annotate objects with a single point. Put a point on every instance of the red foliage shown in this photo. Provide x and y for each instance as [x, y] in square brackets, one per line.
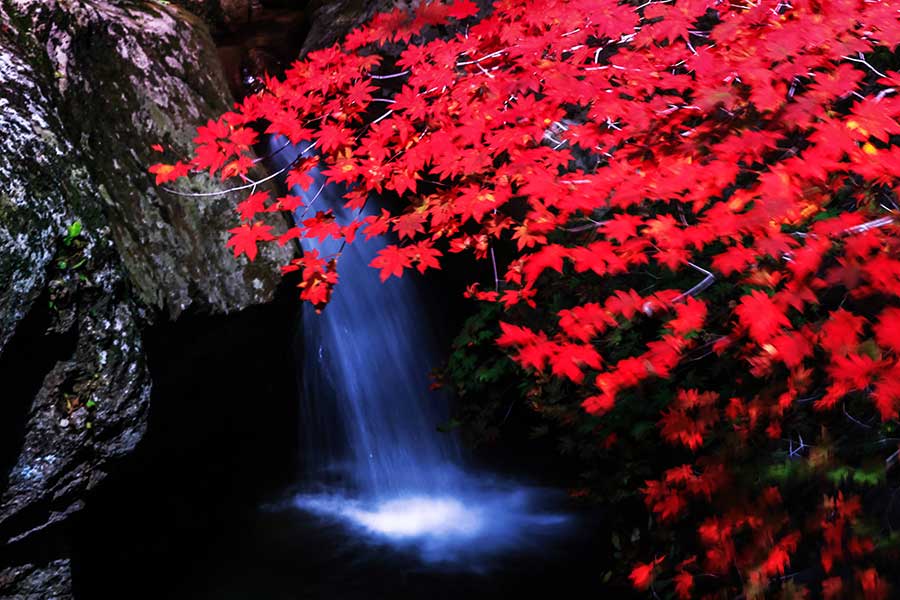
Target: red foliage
[642, 575]
[609, 140]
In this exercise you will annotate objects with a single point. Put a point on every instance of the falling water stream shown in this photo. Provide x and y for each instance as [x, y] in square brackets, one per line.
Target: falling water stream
[375, 457]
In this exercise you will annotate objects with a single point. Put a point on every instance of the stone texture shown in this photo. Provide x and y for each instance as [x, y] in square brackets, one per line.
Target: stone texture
[90, 408]
[129, 75]
[33, 170]
[331, 20]
[86, 88]
[37, 582]
[91, 252]
[224, 15]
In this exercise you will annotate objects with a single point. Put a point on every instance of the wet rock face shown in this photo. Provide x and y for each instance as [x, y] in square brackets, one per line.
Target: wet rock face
[224, 16]
[129, 75]
[331, 20]
[92, 253]
[76, 387]
[265, 44]
[32, 210]
[36, 582]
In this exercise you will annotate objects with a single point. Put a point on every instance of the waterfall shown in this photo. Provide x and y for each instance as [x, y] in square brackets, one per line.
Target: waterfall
[373, 450]
[369, 413]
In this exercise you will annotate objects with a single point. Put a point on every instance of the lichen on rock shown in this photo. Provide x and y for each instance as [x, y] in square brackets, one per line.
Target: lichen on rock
[92, 252]
[130, 76]
[46, 190]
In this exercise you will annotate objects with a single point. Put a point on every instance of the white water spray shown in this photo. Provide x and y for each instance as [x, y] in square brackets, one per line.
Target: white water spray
[370, 421]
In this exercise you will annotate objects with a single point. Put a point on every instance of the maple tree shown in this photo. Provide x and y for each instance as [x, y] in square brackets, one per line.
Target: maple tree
[689, 211]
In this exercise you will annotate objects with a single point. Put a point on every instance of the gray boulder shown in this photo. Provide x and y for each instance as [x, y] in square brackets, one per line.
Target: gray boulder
[92, 252]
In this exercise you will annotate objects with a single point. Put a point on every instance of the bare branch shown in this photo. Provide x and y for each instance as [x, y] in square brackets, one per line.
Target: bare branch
[705, 283]
[250, 185]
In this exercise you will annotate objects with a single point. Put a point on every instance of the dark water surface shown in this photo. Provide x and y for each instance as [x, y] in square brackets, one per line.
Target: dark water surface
[287, 554]
[206, 507]
[279, 552]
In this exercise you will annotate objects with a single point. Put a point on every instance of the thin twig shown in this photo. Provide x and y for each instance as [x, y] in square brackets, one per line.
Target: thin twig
[854, 419]
[705, 283]
[496, 276]
[311, 202]
[861, 60]
[229, 190]
[478, 60]
[271, 154]
[391, 76]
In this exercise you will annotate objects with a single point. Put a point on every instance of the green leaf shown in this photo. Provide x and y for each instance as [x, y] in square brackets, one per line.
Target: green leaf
[74, 230]
[837, 476]
[870, 478]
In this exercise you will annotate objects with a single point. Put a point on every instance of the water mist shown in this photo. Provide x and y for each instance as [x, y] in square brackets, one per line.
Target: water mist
[374, 456]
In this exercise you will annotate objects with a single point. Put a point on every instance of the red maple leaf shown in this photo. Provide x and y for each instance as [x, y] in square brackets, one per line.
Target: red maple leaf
[462, 9]
[840, 333]
[425, 255]
[887, 329]
[762, 318]
[569, 359]
[734, 260]
[854, 371]
[586, 322]
[792, 348]
[537, 354]
[622, 226]
[212, 132]
[643, 574]
[255, 203]
[514, 335]
[287, 124]
[209, 157]
[599, 404]
[321, 226]
[288, 203]
[333, 137]
[527, 238]
[690, 316]
[166, 173]
[244, 238]
[548, 257]
[684, 585]
[378, 224]
[391, 260]
[886, 395]
[300, 174]
[675, 24]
